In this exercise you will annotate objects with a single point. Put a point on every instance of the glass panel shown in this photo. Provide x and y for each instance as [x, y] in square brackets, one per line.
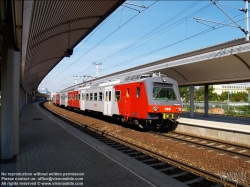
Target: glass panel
[127, 92]
[163, 93]
[138, 91]
[106, 96]
[117, 96]
[91, 97]
[109, 95]
[87, 97]
[100, 96]
[95, 96]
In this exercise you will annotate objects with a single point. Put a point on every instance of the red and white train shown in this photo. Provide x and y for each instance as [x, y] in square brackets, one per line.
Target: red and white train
[144, 100]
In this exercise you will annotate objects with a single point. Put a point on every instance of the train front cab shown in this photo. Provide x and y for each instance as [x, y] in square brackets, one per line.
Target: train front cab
[152, 101]
[164, 100]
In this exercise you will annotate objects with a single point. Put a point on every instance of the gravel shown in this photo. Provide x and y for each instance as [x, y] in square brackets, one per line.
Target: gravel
[202, 158]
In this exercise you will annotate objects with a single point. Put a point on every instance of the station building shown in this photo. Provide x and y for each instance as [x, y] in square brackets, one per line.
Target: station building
[236, 87]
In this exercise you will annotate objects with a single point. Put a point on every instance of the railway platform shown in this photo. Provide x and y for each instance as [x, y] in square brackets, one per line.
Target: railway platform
[226, 128]
[217, 121]
[53, 151]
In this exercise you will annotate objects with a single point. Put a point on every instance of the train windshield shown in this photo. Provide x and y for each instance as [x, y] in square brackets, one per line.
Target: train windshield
[163, 92]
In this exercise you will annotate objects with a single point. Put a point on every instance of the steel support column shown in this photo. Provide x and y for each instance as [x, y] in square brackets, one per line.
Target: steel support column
[206, 100]
[191, 89]
[7, 80]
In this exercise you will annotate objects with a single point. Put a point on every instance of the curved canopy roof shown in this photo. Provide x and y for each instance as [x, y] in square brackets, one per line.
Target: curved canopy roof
[51, 29]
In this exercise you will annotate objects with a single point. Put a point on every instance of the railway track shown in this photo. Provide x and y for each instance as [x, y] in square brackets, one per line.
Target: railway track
[188, 174]
[236, 151]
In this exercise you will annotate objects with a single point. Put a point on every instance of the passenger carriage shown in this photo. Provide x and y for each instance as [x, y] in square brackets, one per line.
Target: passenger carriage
[142, 99]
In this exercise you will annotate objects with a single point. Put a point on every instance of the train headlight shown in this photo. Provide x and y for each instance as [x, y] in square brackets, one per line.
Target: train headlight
[155, 108]
[164, 79]
[179, 109]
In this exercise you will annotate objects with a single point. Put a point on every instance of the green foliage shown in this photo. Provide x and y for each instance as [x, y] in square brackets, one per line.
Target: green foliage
[234, 97]
[185, 94]
[224, 96]
[238, 97]
[248, 90]
[244, 108]
[199, 94]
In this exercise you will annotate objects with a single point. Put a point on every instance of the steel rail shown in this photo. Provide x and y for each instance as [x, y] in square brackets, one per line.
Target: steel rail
[210, 139]
[182, 165]
[206, 145]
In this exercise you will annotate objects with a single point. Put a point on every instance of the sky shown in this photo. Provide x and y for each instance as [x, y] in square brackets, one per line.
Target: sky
[133, 36]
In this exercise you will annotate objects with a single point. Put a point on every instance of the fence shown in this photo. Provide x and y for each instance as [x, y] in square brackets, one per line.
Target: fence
[237, 108]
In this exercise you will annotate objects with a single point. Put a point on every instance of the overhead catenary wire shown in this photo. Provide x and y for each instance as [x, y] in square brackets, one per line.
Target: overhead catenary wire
[164, 47]
[152, 31]
[160, 32]
[90, 35]
[103, 40]
[114, 55]
[150, 37]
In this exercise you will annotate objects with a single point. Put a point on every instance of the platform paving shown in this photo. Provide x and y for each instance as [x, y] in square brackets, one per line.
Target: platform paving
[51, 146]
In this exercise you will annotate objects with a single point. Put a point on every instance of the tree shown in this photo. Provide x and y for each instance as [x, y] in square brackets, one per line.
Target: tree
[223, 96]
[199, 94]
[248, 90]
[185, 94]
[238, 96]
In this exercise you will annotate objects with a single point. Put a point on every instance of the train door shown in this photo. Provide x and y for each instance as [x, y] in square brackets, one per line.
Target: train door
[107, 101]
[82, 100]
[127, 103]
[66, 99]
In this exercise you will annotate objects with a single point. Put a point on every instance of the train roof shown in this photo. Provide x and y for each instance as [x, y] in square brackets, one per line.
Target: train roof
[110, 81]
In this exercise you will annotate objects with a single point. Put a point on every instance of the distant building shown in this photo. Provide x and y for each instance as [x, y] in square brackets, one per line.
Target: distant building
[233, 88]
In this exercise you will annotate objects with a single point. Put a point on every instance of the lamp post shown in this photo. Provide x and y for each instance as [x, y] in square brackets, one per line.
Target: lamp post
[228, 99]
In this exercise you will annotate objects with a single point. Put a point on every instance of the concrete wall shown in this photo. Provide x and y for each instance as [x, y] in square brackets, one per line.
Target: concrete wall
[218, 134]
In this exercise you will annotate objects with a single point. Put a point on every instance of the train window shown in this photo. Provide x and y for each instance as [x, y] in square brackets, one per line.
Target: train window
[83, 96]
[106, 96]
[109, 95]
[87, 97]
[79, 96]
[100, 96]
[117, 96]
[127, 92]
[138, 91]
[95, 96]
[91, 97]
[163, 93]
[69, 96]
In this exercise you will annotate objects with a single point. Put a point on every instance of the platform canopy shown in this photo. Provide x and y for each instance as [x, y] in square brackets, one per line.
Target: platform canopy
[47, 31]
[223, 63]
